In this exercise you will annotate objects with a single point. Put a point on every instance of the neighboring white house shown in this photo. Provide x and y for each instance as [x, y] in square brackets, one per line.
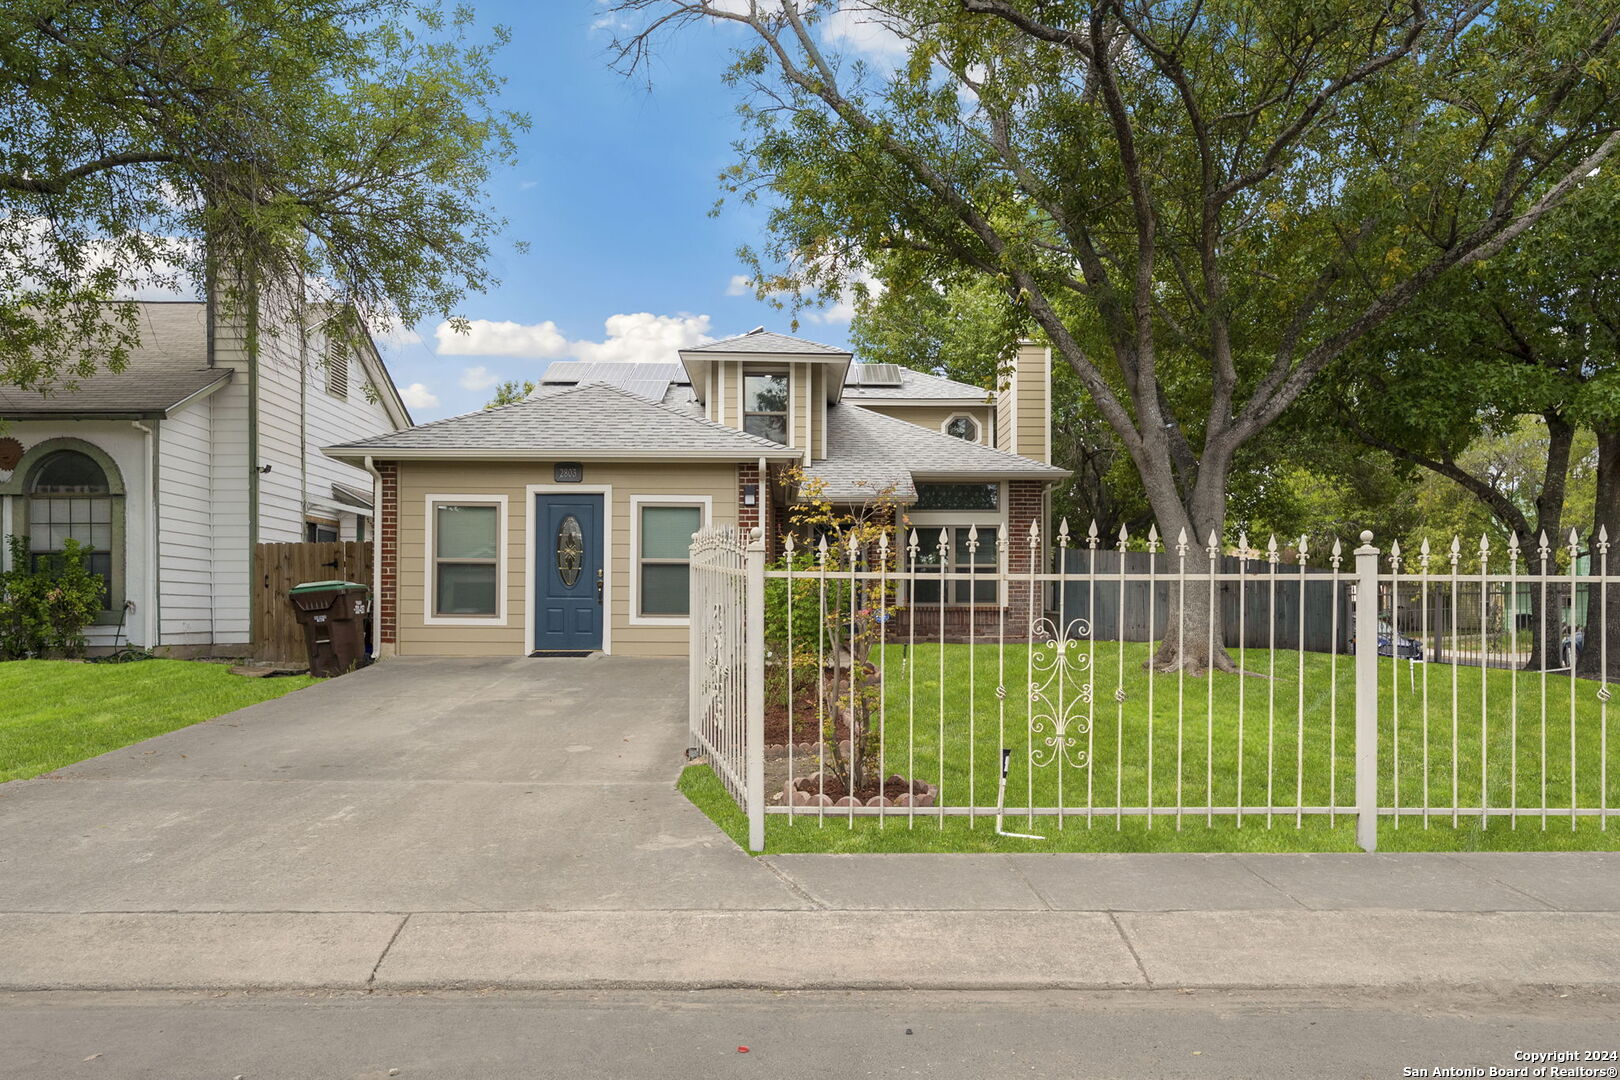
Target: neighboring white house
[174, 468]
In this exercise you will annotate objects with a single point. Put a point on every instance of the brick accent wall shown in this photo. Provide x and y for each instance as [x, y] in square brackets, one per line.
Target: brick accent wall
[1025, 506]
[387, 552]
[750, 516]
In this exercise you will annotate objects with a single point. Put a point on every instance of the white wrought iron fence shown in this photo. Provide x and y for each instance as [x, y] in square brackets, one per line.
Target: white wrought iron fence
[866, 681]
[726, 669]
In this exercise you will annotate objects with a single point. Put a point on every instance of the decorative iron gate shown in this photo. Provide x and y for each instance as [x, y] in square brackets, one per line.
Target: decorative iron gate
[727, 669]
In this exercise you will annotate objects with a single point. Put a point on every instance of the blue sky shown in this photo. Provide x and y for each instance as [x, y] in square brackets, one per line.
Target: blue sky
[612, 192]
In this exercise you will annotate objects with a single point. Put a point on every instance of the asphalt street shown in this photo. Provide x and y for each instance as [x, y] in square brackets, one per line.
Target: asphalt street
[939, 1035]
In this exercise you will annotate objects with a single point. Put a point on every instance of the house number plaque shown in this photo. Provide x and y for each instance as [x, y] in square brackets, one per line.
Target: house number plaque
[568, 472]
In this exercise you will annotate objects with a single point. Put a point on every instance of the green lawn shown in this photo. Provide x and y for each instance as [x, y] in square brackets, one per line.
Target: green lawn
[57, 712]
[1279, 747]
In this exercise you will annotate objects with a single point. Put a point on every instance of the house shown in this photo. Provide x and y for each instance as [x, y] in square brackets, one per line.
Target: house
[562, 523]
[174, 468]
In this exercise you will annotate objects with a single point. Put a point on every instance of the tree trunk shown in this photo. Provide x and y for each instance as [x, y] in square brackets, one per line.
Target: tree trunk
[1546, 642]
[1604, 636]
[1193, 623]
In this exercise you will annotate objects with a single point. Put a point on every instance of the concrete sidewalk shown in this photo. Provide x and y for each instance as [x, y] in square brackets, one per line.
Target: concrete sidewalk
[514, 823]
[922, 921]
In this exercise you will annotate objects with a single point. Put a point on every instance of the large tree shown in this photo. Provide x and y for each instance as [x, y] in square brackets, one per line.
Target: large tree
[328, 150]
[1200, 203]
[1528, 334]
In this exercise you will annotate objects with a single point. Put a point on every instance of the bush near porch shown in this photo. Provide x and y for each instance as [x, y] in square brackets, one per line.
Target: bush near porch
[56, 712]
[921, 758]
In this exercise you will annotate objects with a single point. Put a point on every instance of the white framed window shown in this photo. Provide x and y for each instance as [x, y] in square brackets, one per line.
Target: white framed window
[661, 528]
[963, 426]
[465, 560]
[954, 508]
[765, 405]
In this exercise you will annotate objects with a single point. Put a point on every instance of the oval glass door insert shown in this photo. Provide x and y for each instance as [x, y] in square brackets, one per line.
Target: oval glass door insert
[570, 550]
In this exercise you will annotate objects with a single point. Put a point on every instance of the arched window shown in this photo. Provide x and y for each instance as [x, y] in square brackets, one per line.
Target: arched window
[69, 497]
[962, 426]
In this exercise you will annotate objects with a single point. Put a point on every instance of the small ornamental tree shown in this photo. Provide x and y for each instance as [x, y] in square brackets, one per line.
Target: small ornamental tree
[848, 540]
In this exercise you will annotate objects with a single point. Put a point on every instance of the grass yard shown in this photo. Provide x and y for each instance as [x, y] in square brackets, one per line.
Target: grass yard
[1270, 738]
[57, 712]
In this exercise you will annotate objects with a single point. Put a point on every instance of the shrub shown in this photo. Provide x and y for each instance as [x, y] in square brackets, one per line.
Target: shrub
[45, 608]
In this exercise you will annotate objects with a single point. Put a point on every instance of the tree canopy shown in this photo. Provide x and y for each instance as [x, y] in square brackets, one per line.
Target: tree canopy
[327, 150]
[1202, 204]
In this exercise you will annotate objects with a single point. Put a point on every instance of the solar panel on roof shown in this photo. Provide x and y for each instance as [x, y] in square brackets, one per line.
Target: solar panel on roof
[874, 375]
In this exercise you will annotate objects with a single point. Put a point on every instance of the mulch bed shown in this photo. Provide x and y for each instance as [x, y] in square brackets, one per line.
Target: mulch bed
[892, 787]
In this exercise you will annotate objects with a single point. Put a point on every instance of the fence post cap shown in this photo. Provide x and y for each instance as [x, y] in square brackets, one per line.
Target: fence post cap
[1366, 547]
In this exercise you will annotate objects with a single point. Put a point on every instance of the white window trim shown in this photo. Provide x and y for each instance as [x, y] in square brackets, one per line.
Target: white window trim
[429, 561]
[706, 505]
[945, 426]
[530, 494]
[745, 370]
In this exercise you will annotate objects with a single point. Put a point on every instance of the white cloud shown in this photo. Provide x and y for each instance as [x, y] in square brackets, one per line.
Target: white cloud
[636, 338]
[418, 396]
[396, 336]
[644, 338]
[843, 309]
[478, 378]
[858, 27]
[741, 285]
[484, 337]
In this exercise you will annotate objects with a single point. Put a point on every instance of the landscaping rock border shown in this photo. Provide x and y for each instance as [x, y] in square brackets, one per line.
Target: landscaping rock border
[801, 791]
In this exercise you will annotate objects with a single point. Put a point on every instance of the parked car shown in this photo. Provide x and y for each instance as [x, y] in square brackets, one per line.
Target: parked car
[1565, 650]
[1393, 644]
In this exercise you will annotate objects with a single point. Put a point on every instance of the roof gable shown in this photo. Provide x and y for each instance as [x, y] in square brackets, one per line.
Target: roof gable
[766, 341]
[594, 421]
[867, 451]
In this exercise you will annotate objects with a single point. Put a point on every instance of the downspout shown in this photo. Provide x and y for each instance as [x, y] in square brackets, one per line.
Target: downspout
[153, 517]
[376, 559]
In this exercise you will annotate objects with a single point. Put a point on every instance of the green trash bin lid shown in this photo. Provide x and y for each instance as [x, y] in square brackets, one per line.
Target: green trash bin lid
[323, 586]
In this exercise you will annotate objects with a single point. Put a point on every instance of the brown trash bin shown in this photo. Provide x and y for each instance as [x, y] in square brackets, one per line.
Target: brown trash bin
[334, 615]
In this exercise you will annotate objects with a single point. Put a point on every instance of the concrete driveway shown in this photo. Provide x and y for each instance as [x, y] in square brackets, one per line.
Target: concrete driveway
[416, 785]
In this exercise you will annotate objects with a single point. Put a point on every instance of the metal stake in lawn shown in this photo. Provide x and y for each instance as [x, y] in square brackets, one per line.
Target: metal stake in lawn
[1001, 800]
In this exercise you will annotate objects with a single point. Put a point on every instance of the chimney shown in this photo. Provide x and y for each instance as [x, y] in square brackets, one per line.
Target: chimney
[1024, 403]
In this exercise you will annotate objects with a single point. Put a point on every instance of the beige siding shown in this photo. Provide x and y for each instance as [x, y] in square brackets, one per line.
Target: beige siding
[798, 404]
[933, 417]
[418, 480]
[1034, 389]
[1023, 407]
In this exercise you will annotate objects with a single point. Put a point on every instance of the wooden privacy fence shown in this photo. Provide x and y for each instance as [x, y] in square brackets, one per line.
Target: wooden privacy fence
[277, 634]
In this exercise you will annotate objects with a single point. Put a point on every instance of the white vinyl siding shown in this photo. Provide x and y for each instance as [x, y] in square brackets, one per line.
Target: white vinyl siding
[185, 556]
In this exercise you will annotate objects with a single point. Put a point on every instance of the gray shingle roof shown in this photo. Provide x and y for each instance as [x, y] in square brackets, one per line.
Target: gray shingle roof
[867, 452]
[914, 385]
[764, 341]
[584, 422]
[169, 366]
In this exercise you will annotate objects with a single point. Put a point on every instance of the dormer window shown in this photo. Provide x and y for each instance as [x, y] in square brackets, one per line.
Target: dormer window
[765, 406]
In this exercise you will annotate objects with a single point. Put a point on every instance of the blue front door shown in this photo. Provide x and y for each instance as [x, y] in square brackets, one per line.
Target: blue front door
[569, 585]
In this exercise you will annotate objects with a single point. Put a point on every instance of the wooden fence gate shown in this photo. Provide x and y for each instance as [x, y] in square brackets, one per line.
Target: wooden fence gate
[277, 634]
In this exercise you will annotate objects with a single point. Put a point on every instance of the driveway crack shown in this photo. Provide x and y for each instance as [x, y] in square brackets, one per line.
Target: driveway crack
[1141, 968]
[372, 978]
